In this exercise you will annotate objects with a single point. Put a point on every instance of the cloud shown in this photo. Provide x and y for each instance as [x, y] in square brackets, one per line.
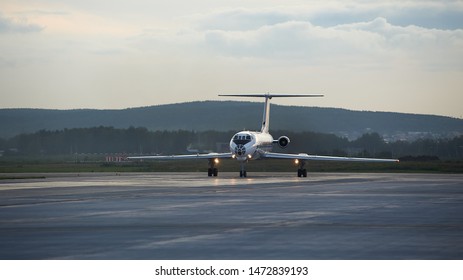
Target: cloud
[286, 35]
[293, 39]
[9, 25]
[242, 19]
[427, 14]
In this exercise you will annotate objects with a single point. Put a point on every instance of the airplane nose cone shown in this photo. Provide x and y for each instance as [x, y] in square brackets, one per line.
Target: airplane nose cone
[240, 150]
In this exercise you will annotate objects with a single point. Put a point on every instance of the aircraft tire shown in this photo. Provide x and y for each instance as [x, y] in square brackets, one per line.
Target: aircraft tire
[215, 172]
[299, 173]
[304, 172]
[209, 172]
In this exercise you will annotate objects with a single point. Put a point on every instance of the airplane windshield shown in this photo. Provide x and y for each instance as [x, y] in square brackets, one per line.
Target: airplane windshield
[241, 139]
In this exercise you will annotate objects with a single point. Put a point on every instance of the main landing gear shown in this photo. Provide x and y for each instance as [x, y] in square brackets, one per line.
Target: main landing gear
[212, 170]
[301, 171]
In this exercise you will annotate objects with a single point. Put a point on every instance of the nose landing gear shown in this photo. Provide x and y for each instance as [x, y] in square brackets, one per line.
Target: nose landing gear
[243, 169]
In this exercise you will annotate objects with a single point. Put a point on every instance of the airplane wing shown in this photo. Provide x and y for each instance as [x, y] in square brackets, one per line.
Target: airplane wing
[193, 156]
[312, 157]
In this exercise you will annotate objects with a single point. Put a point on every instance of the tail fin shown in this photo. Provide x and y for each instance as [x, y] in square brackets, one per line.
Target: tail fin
[266, 116]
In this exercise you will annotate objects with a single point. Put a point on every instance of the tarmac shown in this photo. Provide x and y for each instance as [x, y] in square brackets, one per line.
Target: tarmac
[326, 216]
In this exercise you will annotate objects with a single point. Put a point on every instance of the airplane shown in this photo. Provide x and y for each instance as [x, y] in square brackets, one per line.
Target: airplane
[253, 145]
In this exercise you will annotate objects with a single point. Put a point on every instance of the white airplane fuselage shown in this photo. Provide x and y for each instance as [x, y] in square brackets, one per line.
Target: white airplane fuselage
[250, 145]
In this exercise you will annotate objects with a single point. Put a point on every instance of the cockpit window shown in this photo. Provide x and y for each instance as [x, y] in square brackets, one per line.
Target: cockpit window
[242, 139]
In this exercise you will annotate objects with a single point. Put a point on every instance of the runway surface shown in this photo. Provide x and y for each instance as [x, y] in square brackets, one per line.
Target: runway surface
[191, 216]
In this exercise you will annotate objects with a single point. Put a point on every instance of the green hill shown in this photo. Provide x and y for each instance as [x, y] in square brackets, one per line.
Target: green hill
[228, 115]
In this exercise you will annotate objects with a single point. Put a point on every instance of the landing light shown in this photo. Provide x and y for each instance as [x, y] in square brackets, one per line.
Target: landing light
[216, 160]
[249, 156]
[296, 161]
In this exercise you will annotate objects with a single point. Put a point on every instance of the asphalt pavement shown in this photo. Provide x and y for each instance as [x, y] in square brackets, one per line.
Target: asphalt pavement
[265, 216]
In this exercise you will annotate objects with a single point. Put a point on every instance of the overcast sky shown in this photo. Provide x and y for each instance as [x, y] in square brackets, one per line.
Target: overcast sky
[401, 56]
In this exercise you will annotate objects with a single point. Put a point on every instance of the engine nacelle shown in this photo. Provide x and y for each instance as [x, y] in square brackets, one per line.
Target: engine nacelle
[283, 141]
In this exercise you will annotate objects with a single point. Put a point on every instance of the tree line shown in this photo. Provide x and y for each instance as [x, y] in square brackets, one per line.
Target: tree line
[140, 140]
